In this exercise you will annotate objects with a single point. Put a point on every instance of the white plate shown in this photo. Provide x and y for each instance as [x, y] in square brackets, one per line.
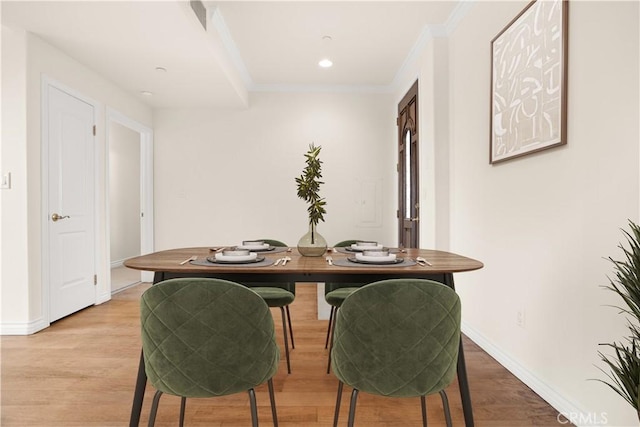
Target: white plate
[366, 248]
[388, 258]
[229, 258]
[254, 247]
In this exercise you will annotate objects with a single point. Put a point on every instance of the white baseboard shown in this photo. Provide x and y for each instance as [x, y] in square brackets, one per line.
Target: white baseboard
[124, 288]
[116, 264]
[103, 297]
[23, 328]
[564, 406]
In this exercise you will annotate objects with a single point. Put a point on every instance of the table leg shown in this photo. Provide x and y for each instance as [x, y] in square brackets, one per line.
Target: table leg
[463, 382]
[138, 396]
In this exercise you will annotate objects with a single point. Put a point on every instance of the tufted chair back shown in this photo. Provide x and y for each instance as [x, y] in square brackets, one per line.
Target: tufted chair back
[206, 337]
[398, 338]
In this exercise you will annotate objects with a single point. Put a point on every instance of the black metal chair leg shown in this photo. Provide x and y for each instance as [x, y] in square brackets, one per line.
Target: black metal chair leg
[333, 328]
[254, 408]
[154, 408]
[463, 383]
[445, 406]
[326, 342]
[293, 344]
[423, 404]
[138, 395]
[336, 414]
[286, 341]
[352, 407]
[183, 404]
[272, 398]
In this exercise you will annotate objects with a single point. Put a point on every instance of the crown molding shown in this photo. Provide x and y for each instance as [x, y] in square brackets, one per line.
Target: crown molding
[428, 33]
[460, 11]
[320, 88]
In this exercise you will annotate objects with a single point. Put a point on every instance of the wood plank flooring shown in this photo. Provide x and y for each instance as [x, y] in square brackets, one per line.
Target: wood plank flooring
[81, 372]
[122, 277]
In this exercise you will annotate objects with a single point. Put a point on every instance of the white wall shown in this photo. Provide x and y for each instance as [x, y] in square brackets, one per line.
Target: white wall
[543, 223]
[223, 176]
[124, 192]
[25, 59]
[14, 255]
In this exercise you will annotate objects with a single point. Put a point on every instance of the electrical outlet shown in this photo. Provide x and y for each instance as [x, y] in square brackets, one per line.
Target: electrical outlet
[520, 318]
[6, 181]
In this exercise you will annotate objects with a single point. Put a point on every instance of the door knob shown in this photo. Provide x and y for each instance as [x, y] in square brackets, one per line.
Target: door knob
[56, 217]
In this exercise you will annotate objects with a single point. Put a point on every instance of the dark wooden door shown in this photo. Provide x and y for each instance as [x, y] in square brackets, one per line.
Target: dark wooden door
[408, 204]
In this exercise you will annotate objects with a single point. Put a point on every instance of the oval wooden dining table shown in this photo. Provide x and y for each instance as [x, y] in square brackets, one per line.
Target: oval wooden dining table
[175, 263]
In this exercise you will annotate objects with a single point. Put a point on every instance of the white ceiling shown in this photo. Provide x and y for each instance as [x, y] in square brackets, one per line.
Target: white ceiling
[248, 46]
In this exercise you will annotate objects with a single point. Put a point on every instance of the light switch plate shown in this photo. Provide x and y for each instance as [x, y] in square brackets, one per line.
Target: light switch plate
[6, 181]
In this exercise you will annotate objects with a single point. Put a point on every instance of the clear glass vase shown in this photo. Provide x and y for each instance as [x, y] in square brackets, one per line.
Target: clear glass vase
[312, 243]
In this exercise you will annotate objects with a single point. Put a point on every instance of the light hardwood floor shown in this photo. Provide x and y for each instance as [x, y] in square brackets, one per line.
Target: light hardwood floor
[122, 277]
[81, 372]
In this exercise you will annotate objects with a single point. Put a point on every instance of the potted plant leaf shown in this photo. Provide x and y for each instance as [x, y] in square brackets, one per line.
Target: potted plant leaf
[312, 243]
[624, 362]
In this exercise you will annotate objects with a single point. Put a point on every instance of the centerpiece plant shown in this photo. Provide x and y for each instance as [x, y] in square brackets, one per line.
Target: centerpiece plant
[624, 360]
[308, 186]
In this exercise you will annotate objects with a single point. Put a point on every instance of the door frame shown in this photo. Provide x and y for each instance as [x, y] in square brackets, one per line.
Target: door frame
[146, 187]
[47, 82]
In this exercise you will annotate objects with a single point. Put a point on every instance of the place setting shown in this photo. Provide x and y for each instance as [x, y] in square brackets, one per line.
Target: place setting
[370, 254]
[234, 257]
[361, 246]
[366, 245]
[248, 254]
[260, 246]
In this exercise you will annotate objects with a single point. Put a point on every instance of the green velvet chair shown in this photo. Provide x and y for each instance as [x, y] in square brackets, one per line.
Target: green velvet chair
[207, 338]
[280, 295]
[397, 338]
[334, 295]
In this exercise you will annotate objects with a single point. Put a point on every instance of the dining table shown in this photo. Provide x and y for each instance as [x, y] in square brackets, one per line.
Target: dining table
[337, 265]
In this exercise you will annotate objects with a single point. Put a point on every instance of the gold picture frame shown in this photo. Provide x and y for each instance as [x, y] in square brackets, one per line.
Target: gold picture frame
[529, 82]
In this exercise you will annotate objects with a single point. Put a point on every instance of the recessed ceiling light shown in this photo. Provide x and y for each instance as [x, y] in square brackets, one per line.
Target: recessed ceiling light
[325, 63]
[327, 38]
[146, 93]
[161, 69]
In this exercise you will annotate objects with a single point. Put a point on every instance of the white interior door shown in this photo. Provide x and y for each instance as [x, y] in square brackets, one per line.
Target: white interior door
[71, 248]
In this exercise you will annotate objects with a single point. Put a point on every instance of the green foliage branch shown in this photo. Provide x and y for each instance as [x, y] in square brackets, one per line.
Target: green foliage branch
[624, 362]
[309, 185]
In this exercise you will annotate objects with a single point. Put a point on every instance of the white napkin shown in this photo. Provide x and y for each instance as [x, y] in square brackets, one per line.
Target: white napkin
[227, 258]
[388, 258]
[254, 247]
[366, 248]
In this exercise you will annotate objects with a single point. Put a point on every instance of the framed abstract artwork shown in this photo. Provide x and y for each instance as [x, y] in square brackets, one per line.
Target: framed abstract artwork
[529, 82]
